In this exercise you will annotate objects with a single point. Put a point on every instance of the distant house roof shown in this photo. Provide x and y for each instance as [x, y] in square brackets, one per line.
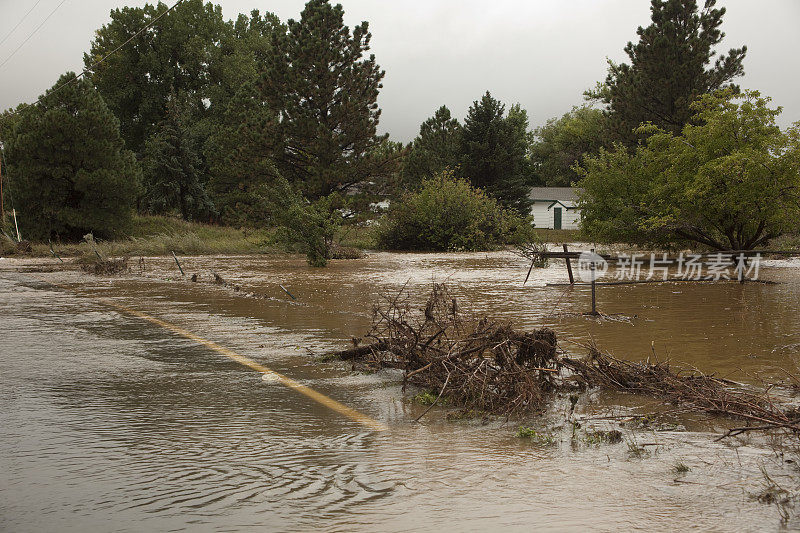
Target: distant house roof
[562, 194]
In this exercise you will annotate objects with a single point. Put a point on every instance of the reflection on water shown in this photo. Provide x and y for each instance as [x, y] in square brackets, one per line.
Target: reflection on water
[111, 423]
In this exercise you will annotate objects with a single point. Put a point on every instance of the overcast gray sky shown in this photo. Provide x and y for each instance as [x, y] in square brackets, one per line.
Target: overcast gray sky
[543, 54]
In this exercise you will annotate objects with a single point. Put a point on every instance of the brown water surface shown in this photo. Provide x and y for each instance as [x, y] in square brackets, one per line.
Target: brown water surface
[110, 422]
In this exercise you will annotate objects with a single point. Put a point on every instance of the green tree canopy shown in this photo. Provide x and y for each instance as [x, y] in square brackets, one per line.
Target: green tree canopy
[563, 142]
[70, 173]
[240, 156]
[493, 152]
[435, 149]
[669, 67]
[449, 214]
[173, 167]
[325, 92]
[730, 182]
[243, 53]
[178, 55]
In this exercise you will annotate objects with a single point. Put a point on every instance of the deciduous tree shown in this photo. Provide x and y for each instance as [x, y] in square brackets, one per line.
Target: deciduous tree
[730, 182]
[563, 142]
[177, 55]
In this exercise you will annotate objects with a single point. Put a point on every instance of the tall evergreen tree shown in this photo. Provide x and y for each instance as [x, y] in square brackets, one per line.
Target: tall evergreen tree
[435, 148]
[240, 157]
[522, 137]
[71, 173]
[669, 68]
[173, 167]
[325, 92]
[493, 150]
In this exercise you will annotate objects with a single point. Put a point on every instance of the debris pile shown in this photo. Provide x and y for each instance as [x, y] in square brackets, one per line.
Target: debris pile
[481, 364]
[478, 363]
[105, 267]
[693, 390]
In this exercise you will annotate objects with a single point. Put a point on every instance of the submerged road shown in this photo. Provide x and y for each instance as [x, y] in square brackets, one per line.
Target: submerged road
[119, 414]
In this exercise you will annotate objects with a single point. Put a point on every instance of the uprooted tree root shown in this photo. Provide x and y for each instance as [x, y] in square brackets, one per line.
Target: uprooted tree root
[486, 365]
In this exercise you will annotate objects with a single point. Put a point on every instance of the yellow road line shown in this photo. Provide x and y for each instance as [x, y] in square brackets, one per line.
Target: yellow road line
[246, 361]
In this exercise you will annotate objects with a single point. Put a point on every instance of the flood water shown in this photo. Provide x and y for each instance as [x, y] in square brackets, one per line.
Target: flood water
[113, 423]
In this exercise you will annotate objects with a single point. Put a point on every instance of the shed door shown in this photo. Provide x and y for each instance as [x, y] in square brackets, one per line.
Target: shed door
[556, 218]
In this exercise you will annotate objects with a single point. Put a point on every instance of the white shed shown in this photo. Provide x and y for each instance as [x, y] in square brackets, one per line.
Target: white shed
[555, 207]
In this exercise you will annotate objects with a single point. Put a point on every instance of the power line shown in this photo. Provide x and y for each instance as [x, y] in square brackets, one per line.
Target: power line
[112, 52]
[20, 22]
[32, 33]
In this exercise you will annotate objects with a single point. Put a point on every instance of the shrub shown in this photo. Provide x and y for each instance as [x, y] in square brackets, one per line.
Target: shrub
[311, 226]
[448, 214]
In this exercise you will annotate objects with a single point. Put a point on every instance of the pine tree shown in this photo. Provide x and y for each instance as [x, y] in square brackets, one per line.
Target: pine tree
[325, 92]
[435, 148]
[240, 157]
[173, 167]
[493, 150]
[669, 68]
[70, 172]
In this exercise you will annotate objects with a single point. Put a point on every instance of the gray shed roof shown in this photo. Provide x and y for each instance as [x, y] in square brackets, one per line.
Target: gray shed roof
[568, 194]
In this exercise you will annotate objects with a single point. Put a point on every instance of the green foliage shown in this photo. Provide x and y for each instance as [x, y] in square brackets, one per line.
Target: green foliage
[242, 55]
[449, 214]
[435, 149]
[311, 225]
[240, 158]
[7, 245]
[71, 174]
[384, 182]
[679, 468]
[731, 182]
[669, 68]
[173, 168]
[563, 142]
[493, 151]
[427, 398]
[326, 91]
[177, 55]
[539, 438]
[595, 437]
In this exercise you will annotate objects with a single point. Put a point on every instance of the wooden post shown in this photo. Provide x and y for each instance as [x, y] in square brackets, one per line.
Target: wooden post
[2, 200]
[178, 263]
[14, 212]
[569, 267]
[594, 300]
[287, 291]
[54, 252]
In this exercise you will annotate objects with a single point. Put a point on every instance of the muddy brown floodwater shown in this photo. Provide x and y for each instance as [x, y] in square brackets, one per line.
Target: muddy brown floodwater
[110, 422]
